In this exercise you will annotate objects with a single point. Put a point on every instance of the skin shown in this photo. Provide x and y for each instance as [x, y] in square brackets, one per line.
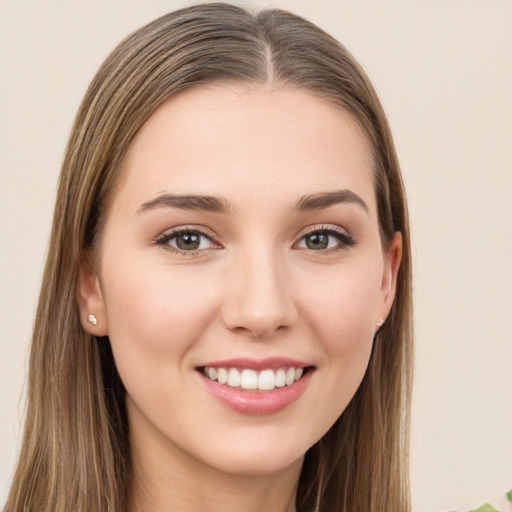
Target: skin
[253, 289]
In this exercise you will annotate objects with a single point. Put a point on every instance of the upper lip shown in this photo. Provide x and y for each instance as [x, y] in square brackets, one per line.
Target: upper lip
[257, 364]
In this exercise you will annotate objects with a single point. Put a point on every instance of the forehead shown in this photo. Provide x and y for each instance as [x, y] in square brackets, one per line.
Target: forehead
[228, 140]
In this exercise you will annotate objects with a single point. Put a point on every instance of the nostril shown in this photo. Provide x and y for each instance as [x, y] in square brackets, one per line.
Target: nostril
[258, 323]
[261, 330]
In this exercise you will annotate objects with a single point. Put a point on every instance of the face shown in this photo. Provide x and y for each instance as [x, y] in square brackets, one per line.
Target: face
[241, 276]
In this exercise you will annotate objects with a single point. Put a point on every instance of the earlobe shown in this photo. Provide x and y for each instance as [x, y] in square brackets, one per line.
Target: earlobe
[90, 300]
[389, 279]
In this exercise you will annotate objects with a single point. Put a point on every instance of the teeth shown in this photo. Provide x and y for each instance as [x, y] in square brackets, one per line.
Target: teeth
[233, 378]
[280, 378]
[266, 380]
[222, 375]
[248, 379]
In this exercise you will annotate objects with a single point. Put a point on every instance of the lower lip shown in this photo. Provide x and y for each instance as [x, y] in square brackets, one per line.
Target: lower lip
[257, 403]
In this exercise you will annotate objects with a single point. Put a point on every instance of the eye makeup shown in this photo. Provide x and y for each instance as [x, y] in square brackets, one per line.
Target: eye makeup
[326, 239]
[189, 241]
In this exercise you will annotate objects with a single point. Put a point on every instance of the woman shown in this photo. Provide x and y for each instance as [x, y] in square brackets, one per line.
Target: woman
[225, 315]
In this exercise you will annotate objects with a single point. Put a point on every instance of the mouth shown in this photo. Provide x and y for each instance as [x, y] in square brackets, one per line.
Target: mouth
[249, 379]
[256, 387]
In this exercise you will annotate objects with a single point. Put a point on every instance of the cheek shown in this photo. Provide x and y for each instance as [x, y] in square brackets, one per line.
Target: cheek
[342, 313]
[344, 306]
[154, 313]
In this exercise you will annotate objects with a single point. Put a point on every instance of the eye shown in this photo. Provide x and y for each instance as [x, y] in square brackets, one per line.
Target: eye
[186, 240]
[326, 239]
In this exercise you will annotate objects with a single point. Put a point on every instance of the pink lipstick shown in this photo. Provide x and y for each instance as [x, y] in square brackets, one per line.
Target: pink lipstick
[256, 387]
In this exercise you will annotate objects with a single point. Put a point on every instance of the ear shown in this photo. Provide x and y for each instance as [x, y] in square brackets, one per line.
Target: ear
[389, 278]
[89, 298]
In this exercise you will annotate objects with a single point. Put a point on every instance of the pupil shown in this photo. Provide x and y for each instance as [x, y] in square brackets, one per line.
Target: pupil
[188, 241]
[317, 241]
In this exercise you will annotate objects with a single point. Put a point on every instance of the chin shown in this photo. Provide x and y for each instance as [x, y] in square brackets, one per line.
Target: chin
[260, 465]
[257, 458]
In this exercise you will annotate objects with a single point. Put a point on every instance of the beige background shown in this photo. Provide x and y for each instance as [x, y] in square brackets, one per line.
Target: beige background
[444, 71]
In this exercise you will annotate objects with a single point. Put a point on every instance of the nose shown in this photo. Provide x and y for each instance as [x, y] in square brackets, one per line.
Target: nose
[259, 296]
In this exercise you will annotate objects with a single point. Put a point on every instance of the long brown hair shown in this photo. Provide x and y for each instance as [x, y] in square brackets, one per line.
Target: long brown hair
[75, 453]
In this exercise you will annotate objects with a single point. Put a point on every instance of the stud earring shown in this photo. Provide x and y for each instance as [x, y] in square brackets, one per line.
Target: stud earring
[380, 323]
[92, 320]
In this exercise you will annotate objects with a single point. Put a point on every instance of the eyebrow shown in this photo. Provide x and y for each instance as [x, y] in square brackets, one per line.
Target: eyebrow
[325, 199]
[187, 202]
[213, 204]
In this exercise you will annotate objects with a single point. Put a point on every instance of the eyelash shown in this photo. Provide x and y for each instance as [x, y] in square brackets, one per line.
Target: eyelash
[163, 240]
[345, 240]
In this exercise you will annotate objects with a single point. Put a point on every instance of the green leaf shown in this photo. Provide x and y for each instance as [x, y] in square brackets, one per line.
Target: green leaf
[509, 495]
[485, 508]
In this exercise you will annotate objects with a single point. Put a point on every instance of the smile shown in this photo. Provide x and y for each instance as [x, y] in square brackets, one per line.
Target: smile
[251, 380]
[253, 387]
